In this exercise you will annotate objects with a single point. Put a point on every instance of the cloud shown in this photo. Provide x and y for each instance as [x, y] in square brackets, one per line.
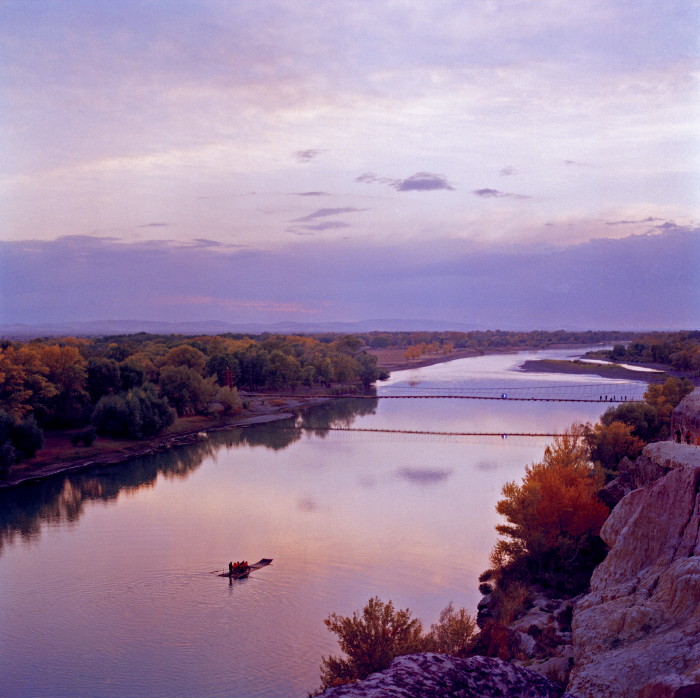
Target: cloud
[310, 193]
[646, 281]
[575, 163]
[155, 225]
[650, 219]
[507, 171]
[307, 155]
[206, 243]
[424, 476]
[421, 181]
[323, 212]
[494, 193]
[327, 225]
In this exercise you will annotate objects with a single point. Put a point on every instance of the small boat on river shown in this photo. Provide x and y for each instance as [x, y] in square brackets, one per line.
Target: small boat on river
[239, 570]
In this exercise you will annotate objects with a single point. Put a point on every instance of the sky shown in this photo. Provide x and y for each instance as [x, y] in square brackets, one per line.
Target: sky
[506, 163]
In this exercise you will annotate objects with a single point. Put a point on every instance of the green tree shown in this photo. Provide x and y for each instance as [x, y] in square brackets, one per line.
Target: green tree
[186, 355]
[138, 413]
[370, 641]
[103, 377]
[186, 390]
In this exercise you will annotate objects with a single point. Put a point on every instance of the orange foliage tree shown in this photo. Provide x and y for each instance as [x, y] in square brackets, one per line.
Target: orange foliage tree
[554, 513]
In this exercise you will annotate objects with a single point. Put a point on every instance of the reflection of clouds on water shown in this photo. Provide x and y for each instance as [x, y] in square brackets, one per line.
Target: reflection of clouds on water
[487, 465]
[424, 476]
[367, 481]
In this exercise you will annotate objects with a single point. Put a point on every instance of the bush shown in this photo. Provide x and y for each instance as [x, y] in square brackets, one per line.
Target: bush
[27, 438]
[370, 641]
[133, 415]
[7, 458]
[453, 634]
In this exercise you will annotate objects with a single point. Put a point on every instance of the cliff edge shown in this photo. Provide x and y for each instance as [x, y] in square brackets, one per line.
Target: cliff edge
[637, 633]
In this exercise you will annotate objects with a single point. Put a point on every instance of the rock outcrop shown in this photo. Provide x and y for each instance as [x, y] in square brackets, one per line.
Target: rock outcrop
[685, 420]
[439, 676]
[656, 460]
[637, 633]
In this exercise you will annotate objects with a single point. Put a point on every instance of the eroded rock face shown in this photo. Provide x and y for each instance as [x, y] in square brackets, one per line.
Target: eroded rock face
[685, 419]
[439, 676]
[656, 460]
[640, 623]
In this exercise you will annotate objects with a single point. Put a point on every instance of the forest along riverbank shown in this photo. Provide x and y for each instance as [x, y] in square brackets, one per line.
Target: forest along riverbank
[59, 455]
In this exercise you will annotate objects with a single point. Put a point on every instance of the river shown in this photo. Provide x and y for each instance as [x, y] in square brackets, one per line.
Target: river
[106, 575]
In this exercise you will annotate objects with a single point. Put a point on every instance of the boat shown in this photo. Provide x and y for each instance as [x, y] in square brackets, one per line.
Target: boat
[241, 573]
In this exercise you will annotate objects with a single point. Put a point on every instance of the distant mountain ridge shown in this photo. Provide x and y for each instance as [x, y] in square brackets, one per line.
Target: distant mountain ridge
[114, 327]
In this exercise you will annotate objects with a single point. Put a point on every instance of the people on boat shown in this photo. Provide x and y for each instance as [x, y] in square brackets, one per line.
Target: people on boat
[238, 567]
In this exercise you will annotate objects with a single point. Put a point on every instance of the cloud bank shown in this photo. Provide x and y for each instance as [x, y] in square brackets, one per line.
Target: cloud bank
[636, 282]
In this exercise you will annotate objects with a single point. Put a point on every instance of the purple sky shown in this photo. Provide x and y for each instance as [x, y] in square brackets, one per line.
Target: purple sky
[493, 161]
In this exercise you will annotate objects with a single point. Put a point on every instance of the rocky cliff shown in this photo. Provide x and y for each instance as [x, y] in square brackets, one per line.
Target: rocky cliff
[637, 633]
[685, 420]
[439, 676]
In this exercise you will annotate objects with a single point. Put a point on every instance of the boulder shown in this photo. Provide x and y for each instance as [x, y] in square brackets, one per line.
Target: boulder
[439, 676]
[640, 624]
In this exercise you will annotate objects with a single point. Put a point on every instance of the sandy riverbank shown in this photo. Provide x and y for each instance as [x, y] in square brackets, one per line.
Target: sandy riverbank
[612, 371]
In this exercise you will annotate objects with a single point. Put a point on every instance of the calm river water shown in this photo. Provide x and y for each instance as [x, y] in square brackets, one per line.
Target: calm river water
[106, 584]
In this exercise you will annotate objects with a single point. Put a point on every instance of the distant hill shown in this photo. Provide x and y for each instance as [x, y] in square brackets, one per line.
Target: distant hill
[109, 327]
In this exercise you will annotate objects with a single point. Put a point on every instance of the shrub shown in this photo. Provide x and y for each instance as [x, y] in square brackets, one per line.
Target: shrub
[373, 639]
[453, 634]
[27, 438]
[7, 458]
[370, 641]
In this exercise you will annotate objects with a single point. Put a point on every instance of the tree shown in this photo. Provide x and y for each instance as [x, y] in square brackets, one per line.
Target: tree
[453, 634]
[138, 413]
[186, 390]
[103, 377]
[185, 355]
[229, 399]
[220, 364]
[26, 437]
[368, 371]
[555, 513]
[609, 444]
[370, 641]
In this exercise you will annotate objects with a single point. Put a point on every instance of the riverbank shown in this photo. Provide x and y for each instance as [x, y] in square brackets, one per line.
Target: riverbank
[612, 371]
[59, 455]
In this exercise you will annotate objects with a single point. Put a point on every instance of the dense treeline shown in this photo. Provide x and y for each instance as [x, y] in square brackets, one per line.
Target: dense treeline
[134, 386]
[489, 340]
[678, 350]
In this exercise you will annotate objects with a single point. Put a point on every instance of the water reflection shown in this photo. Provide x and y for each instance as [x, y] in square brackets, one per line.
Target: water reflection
[61, 499]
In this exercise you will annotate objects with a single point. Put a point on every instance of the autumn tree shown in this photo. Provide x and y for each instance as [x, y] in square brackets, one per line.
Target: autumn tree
[609, 444]
[554, 514]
